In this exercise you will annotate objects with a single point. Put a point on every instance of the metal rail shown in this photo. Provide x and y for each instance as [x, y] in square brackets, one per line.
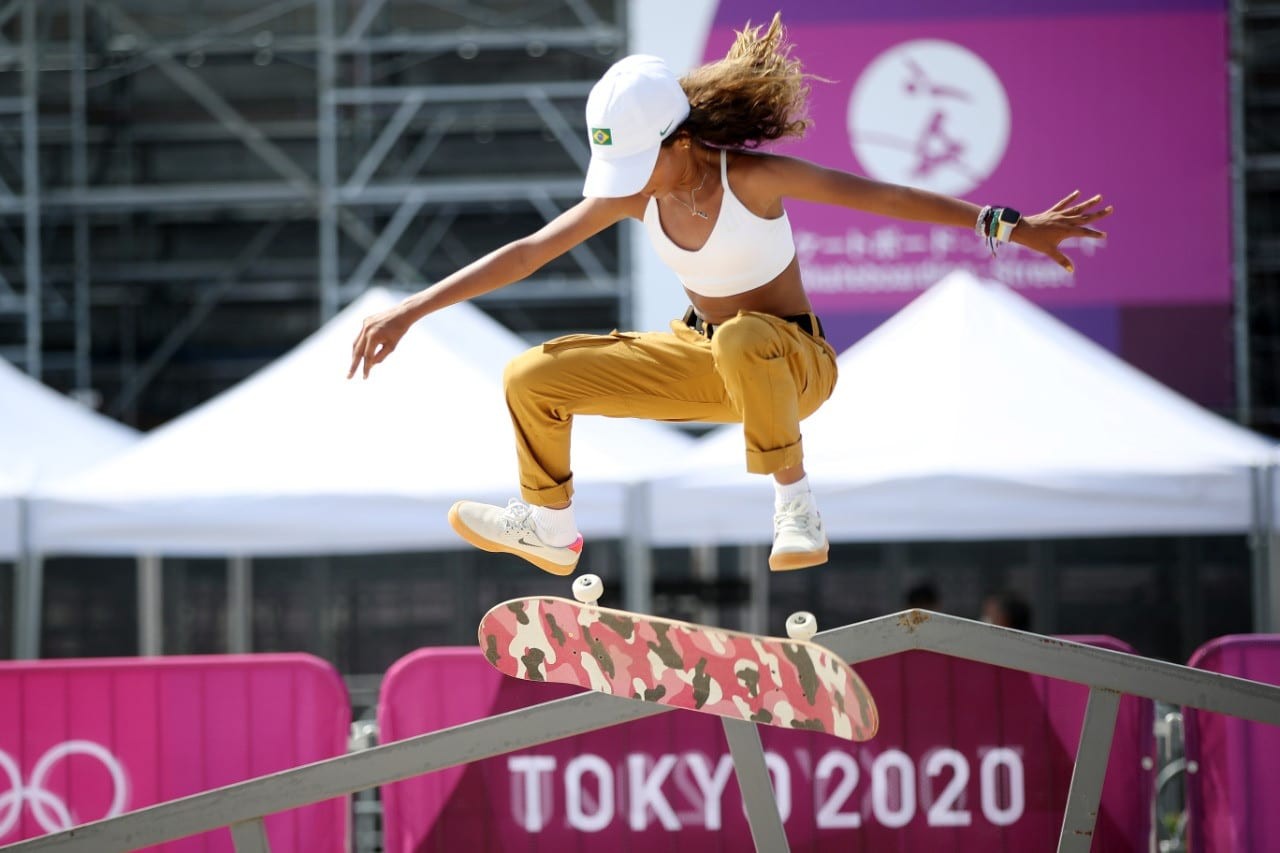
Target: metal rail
[1108, 674]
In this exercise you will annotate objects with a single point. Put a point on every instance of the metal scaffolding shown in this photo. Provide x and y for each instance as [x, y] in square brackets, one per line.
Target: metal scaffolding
[1255, 114]
[241, 170]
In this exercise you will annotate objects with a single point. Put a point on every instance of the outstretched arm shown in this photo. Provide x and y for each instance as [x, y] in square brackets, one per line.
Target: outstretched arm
[511, 263]
[1043, 232]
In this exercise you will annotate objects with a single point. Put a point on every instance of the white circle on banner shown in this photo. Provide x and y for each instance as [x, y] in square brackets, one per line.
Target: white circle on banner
[929, 114]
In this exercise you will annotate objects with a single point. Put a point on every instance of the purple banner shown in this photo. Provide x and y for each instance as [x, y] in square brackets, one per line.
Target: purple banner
[1001, 102]
[1231, 797]
[1021, 112]
[969, 757]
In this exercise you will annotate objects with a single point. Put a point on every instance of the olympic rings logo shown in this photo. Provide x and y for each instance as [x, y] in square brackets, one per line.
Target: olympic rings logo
[51, 812]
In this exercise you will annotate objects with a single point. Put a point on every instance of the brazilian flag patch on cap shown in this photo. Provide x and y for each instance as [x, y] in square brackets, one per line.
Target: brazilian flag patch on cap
[601, 136]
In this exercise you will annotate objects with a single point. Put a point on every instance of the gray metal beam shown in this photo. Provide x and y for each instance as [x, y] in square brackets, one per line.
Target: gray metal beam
[1124, 673]
[150, 571]
[449, 40]
[758, 799]
[79, 181]
[378, 151]
[250, 837]
[347, 774]
[569, 139]
[239, 605]
[582, 253]
[31, 189]
[441, 122]
[327, 165]
[386, 241]
[469, 190]
[360, 23]
[28, 593]
[203, 40]
[462, 93]
[204, 95]
[207, 300]
[1081, 815]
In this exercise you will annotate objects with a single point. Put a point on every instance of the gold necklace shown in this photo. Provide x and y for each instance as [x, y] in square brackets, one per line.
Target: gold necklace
[692, 204]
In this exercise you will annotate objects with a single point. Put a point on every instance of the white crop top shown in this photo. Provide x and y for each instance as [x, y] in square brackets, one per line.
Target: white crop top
[743, 252]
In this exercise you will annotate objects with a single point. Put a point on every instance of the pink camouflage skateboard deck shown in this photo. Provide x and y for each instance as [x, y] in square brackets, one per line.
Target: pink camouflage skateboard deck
[780, 682]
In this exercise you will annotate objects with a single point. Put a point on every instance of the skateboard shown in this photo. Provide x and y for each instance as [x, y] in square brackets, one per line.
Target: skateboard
[791, 683]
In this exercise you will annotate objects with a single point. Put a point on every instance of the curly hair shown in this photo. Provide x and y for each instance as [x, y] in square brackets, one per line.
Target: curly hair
[756, 94]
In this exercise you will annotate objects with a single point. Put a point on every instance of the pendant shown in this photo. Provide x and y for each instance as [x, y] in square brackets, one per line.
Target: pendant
[701, 213]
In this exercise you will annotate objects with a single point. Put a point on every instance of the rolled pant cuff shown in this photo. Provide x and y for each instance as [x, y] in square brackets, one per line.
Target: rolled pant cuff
[771, 461]
[548, 496]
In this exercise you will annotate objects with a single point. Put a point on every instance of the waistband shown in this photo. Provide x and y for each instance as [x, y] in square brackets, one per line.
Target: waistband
[808, 323]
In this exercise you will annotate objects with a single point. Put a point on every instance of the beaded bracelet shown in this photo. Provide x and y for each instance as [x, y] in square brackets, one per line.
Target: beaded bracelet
[996, 224]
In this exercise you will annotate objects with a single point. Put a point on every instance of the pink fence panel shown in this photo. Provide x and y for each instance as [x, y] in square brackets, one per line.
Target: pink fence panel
[85, 739]
[1231, 799]
[969, 757]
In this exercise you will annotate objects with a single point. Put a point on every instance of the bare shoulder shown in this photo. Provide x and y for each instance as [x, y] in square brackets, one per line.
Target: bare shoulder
[761, 180]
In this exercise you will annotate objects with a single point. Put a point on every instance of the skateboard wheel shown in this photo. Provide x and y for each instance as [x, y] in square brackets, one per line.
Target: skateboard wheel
[588, 589]
[802, 626]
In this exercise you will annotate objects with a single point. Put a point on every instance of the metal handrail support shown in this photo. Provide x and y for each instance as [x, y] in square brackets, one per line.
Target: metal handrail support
[1109, 674]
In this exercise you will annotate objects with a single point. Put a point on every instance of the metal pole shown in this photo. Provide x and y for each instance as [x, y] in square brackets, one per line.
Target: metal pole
[80, 180]
[327, 151]
[761, 806]
[1269, 549]
[31, 187]
[1259, 542]
[637, 592]
[239, 605]
[250, 836]
[1090, 770]
[29, 592]
[150, 605]
[754, 565]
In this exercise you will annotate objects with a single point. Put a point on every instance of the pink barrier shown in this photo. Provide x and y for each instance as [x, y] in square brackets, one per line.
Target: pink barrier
[1231, 798]
[969, 757]
[85, 739]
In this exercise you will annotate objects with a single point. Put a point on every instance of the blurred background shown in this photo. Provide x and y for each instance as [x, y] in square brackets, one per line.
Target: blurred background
[191, 188]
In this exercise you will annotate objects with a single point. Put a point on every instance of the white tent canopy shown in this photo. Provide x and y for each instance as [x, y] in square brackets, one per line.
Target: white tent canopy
[43, 436]
[972, 414]
[299, 460]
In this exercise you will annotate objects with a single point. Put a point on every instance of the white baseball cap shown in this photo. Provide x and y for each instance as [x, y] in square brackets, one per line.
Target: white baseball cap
[635, 105]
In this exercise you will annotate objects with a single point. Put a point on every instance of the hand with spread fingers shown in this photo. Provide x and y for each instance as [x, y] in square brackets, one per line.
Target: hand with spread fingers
[378, 338]
[1043, 232]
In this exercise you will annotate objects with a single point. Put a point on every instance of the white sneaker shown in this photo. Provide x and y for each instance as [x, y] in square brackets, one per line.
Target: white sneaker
[799, 540]
[510, 530]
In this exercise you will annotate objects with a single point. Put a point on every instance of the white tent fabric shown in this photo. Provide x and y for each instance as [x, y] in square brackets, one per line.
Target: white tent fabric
[43, 436]
[299, 460]
[973, 414]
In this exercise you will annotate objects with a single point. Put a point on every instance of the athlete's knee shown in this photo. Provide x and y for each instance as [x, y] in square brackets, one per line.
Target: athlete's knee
[746, 335]
[525, 372]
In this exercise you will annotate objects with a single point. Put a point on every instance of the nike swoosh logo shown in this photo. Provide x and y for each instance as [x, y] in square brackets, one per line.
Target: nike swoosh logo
[523, 541]
[663, 132]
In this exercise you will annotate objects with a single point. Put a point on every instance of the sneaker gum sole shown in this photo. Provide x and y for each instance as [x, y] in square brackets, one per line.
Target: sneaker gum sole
[793, 560]
[498, 548]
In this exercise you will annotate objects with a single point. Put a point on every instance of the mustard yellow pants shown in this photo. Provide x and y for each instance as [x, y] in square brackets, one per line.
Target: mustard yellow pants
[756, 369]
